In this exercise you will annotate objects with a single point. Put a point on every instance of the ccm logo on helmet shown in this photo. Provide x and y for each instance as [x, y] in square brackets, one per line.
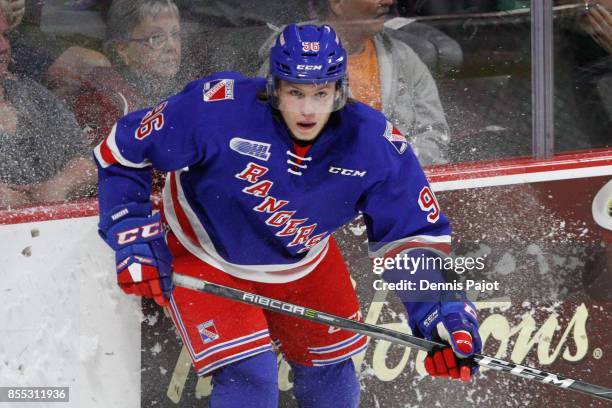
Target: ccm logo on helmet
[310, 67]
[146, 231]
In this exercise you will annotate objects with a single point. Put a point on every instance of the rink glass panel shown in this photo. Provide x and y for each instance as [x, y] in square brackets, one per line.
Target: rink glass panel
[487, 97]
[539, 236]
[583, 77]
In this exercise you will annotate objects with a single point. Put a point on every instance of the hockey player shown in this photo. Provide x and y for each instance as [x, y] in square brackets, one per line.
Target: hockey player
[262, 172]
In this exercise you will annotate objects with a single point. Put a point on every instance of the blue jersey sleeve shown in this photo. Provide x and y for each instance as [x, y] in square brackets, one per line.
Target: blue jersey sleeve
[167, 137]
[160, 137]
[401, 211]
[404, 220]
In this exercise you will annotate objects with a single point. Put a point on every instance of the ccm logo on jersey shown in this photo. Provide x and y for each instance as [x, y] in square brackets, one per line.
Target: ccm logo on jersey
[145, 231]
[346, 172]
[152, 120]
[219, 90]
[310, 67]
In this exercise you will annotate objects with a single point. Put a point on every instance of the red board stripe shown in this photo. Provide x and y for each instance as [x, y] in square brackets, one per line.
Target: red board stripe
[523, 165]
[450, 172]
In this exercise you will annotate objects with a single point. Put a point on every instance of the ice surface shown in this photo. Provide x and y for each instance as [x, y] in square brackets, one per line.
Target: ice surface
[63, 321]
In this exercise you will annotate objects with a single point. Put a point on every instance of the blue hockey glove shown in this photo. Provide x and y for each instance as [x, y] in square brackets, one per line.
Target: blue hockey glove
[454, 323]
[144, 263]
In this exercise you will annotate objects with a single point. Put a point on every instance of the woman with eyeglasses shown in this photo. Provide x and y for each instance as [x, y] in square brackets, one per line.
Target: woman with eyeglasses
[143, 43]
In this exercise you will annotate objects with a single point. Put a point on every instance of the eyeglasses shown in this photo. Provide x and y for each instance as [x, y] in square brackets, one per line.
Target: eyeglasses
[157, 41]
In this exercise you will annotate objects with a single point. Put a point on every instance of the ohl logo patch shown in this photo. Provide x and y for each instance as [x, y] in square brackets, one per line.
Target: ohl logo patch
[251, 148]
[208, 331]
[219, 90]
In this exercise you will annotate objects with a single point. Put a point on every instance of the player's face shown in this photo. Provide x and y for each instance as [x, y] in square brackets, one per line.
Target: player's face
[5, 46]
[306, 108]
[155, 45]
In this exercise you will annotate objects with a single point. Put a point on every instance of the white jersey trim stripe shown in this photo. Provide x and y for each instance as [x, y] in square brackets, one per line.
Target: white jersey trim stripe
[111, 142]
[183, 331]
[216, 348]
[271, 273]
[337, 346]
[425, 239]
[236, 357]
[231, 344]
[334, 360]
[98, 156]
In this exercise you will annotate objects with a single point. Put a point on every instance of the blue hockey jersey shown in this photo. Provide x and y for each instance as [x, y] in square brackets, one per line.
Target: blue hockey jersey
[240, 198]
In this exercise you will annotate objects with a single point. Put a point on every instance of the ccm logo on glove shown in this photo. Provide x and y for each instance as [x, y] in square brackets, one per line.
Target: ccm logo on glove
[463, 339]
[145, 231]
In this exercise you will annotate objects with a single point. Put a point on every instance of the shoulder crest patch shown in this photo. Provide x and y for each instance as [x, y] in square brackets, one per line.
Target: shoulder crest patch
[396, 138]
[219, 90]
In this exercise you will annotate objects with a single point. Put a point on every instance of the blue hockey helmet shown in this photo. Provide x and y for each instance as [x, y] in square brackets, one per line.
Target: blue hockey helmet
[309, 54]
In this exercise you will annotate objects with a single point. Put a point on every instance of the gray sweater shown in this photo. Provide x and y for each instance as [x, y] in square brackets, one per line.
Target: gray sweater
[47, 136]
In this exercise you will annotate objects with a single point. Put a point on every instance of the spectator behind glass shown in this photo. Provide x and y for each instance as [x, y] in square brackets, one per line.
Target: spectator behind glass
[144, 46]
[583, 78]
[594, 76]
[29, 57]
[42, 155]
[15, 11]
[386, 74]
[597, 22]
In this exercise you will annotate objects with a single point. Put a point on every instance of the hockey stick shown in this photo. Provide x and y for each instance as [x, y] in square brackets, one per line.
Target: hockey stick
[385, 334]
